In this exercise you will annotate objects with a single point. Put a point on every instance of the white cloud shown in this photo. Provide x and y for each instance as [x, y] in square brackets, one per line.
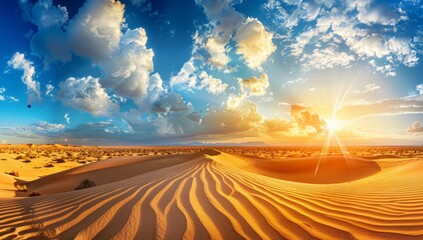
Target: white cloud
[323, 58]
[254, 43]
[419, 89]
[371, 87]
[257, 86]
[356, 30]
[185, 75]
[402, 51]
[49, 90]
[86, 94]
[224, 20]
[95, 31]
[191, 77]
[18, 61]
[67, 118]
[127, 71]
[415, 127]
[211, 84]
[218, 52]
[2, 90]
[155, 88]
[44, 126]
[45, 14]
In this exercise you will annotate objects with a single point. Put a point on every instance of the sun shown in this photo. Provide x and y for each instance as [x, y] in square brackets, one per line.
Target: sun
[332, 125]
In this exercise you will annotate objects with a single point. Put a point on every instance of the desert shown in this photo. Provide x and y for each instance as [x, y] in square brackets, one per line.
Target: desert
[211, 193]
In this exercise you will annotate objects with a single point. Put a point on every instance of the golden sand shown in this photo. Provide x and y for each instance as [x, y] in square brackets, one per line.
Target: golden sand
[221, 195]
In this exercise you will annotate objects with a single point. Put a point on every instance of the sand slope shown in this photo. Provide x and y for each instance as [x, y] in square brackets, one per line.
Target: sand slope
[222, 196]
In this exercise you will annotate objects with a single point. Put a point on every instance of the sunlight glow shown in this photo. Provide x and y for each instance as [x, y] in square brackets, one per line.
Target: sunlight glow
[332, 125]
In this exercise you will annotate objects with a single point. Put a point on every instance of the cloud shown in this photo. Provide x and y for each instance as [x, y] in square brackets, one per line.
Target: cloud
[338, 34]
[395, 106]
[257, 86]
[171, 102]
[226, 121]
[50, 42]
[416, 127]
[155, 87]
[212, 85]
[127, 72]
[372, 12]
[95, 31]
[224, 20]
[86, 94]
[324, 58]
[306, 119]
[19, 62]
[2, 90]
[191, 77]
[276, 126]
[67, 118]
[185, 75]
[44, 126]
[33, 131]
[254, 43]
[49, 90]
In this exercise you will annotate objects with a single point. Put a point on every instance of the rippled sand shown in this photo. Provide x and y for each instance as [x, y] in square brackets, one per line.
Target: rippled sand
[213, 194]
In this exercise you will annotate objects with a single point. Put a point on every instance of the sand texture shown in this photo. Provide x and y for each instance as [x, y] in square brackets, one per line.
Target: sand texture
[221, 195]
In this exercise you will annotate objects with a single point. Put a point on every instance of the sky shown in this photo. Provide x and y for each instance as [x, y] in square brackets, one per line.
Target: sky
[276, 72]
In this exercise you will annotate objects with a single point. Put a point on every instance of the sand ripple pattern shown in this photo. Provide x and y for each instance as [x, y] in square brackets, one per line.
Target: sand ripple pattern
[207, 199]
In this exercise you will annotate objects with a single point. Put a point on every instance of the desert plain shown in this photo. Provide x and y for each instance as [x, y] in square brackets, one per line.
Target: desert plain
[210, 193]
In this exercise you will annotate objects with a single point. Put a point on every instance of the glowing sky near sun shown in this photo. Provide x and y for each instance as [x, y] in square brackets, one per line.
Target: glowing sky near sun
[180, 72]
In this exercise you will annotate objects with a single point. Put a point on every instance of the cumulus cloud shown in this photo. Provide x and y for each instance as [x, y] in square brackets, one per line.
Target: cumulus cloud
[416, 127]
[224, 121]
[155, 87]
[171, 102]
[257, 86]
[305, 119]
[95, 31]
[185, 75]
[254, 43]
[191, 77]
[18, 61]
[212, 85]
[224, 20]
[128, 70]
[86, 94]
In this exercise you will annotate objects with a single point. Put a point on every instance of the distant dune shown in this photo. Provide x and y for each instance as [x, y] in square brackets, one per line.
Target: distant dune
[212, 194]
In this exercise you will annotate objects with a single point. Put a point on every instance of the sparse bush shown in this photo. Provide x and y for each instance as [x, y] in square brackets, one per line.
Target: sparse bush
[26, 161]
[33, 194]
[48, 165]
[13, 173]
[86, 183]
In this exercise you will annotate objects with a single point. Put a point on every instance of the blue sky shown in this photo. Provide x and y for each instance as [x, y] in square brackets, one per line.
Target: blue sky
[138, 72]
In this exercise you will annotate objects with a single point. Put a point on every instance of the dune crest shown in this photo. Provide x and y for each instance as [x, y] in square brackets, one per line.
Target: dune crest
[212, 194]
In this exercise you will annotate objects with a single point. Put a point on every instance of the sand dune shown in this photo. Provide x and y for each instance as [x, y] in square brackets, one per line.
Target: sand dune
[223, 196]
